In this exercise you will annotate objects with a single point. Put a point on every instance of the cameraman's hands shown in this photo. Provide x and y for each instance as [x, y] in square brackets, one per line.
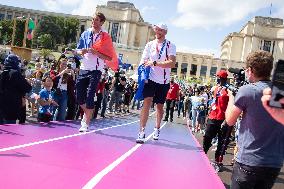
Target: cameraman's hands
[276, 113]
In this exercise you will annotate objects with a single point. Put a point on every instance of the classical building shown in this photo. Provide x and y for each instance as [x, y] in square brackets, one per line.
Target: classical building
[261, 33]
[10, 12]
[202, 66]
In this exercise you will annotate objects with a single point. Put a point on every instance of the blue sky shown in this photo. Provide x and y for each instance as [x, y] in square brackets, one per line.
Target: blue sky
[196, 26]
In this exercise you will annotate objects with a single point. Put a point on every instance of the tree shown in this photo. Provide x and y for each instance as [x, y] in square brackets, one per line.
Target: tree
[62, 30]
[6, 31]
[45, 41]
[45, 52]
[48, 25]
[70, 30]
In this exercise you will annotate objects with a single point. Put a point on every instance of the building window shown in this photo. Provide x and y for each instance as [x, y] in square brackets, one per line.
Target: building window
[266, 46]
[2, 16]
[193, 69]
[9, 17]
[183, 68]
[184, 59]
[82, 29]
[213, 71]
[174, 70]
[273, 47]
[203, 70]
[114, 31]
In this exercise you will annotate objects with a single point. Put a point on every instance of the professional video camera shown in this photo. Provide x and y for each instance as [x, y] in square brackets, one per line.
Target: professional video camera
[239, 80]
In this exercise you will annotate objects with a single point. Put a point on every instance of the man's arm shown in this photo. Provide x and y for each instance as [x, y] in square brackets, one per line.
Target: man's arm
[232, 111]
[100, 55]
[276, 113]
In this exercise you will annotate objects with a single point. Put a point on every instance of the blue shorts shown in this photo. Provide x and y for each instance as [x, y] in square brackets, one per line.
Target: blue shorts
[156, 90]
[86, 86]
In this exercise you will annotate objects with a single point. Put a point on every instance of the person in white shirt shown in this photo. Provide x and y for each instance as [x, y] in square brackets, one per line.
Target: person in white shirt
[160, 55]
[91, 69]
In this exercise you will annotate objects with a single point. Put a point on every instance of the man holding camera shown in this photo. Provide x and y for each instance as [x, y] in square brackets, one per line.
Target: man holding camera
[217, 114]
[261, 138]
[118, 84]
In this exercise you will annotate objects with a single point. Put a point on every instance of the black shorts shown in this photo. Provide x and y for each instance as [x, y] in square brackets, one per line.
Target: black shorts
[87, 83]
[156, 90]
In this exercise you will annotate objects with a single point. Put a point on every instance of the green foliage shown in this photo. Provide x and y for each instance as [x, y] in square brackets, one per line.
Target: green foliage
[6, 30]
[62, 30]
[45, 41]
[193, 80]
[19, 34]
[45, 52]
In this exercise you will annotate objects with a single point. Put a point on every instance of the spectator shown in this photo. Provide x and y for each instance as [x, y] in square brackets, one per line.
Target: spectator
[14, 87]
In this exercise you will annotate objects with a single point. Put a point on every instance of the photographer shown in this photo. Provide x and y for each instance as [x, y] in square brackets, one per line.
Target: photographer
[217, 114]
[261, 138]
[118, 84]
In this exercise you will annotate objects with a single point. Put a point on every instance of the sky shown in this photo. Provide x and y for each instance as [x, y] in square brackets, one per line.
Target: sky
[195, 26]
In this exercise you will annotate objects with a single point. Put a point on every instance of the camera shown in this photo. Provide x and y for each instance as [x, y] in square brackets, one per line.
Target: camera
[117, 74]
[239, 80]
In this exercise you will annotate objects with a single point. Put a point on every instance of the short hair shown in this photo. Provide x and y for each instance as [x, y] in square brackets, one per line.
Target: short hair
[101, 16]
[45, 78]
[261, 63]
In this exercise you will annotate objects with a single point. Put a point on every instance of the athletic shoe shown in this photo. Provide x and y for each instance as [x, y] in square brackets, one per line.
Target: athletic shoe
[141, 137]
[84, 127]
[156, 134]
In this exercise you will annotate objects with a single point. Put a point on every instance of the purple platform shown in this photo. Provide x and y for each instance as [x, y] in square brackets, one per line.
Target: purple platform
[174, 161]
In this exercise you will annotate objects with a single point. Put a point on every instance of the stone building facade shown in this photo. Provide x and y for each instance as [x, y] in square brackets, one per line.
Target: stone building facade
[261, 33]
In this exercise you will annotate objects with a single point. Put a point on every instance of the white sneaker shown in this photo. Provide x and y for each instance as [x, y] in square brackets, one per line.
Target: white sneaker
[156, 134]
[84, 127]
[141, 137]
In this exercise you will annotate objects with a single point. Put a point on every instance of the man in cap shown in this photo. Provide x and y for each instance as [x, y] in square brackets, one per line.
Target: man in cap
[13, 86]
[217, 114]
[160, 55]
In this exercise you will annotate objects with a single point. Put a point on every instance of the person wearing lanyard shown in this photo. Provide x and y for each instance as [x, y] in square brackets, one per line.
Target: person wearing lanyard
[160, 55]
[91, 69]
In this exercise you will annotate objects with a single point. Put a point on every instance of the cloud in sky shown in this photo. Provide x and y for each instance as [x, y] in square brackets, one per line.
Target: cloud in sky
[212, 13]
[87, 7]
[78, 7]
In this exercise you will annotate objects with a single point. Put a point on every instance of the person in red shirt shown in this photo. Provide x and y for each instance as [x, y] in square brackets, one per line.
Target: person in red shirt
[172, 97]
[217, 114]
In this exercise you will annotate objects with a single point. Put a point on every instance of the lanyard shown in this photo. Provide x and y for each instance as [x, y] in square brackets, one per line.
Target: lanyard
[161, 50]
[92, 37]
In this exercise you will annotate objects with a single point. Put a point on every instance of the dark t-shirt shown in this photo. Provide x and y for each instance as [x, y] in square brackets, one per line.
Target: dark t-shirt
[261, 138]
[118, 86]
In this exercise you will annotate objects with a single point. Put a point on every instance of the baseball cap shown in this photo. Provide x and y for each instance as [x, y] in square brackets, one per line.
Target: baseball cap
[222, 74]
[161, 26]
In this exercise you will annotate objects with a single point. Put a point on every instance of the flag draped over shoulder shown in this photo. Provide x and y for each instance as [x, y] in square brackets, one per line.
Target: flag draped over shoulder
[104, 45]
[143, 74]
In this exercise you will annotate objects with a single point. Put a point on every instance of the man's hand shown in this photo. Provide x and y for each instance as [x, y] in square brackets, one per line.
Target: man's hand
[83, 51]
[149, 63]
[276, 113]
[93, 51]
